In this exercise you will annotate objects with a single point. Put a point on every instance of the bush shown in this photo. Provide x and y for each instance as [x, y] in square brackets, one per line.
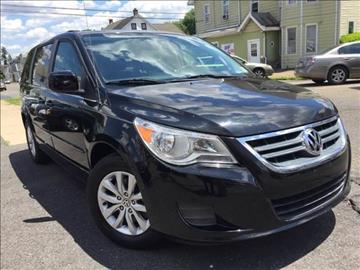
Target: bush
[350, 37]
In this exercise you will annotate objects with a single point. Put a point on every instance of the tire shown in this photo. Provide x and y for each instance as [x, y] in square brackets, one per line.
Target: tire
[259, 72]
[123, 207]
[36, 154]
[337, 75]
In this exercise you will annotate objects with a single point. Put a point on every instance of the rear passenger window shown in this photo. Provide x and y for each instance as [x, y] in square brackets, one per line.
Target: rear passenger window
[67, 59]
[351, 49]
[25, 75]
[41, 65]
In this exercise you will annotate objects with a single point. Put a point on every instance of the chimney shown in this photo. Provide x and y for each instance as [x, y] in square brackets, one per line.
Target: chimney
[135, 11]
[111, 21]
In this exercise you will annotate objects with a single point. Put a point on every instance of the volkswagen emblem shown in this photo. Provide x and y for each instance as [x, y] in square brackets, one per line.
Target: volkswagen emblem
[312, 141]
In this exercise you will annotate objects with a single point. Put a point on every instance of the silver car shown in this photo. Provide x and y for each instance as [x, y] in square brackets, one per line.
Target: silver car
[334, 65]
[261, 70]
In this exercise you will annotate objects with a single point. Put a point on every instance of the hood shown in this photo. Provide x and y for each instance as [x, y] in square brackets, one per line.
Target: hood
[229, 107]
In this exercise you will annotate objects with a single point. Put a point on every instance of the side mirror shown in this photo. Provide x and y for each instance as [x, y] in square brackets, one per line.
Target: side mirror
[63, 81]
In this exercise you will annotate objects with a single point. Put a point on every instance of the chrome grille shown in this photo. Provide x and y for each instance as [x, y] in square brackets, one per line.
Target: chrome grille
[284, 151]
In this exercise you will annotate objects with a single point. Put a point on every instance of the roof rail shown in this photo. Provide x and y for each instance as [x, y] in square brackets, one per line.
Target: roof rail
[73, 31]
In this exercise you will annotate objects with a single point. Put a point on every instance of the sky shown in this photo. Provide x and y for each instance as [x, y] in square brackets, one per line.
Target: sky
[21, 28]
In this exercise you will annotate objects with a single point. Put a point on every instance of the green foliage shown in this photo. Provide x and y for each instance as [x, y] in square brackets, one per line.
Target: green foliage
[187, 25]
[350, 37]
[2, 76]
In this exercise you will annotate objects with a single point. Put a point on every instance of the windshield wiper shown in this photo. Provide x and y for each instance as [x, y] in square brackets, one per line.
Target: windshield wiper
[135, 82]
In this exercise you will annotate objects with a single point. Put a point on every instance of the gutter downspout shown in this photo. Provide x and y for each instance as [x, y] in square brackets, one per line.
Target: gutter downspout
[264, 45]
[336, 22]
[239, 10]
[301, 28]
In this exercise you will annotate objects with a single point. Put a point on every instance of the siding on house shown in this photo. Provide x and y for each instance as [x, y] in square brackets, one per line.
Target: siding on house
[216, 15]
[321, 13]
[331, 17]
[270, 6]
[252, 31]
[349, 11]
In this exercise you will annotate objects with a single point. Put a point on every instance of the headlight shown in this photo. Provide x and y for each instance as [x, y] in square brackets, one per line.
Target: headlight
[180, 147]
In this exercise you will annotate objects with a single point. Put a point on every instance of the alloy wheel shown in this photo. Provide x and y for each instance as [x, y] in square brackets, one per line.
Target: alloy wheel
[338, 75]
[259, 73]
[120, 202]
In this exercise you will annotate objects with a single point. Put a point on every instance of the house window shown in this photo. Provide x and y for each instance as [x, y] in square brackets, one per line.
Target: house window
[133, 26]
[291, 2]
[254, 5]
[291, 40]
[225, 9]
[143, 26]
[206, 13]
[351, 27]
[311, 38]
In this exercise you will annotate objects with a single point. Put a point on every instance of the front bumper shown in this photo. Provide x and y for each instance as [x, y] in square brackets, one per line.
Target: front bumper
[222, 204]
[269, 71]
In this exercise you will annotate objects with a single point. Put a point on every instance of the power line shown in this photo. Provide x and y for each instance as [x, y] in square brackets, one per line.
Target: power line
[78, 15]
[89, 9]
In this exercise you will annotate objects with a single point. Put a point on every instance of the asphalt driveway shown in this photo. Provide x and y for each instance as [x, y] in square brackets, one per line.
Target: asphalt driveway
[45, 222]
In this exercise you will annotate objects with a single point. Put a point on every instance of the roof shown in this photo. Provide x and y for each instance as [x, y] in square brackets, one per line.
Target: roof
[264, 20]
[121, 23]
[168, 27]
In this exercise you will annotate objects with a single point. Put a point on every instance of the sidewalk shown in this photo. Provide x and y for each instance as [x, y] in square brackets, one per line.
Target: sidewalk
[12, 129]
[285, 75]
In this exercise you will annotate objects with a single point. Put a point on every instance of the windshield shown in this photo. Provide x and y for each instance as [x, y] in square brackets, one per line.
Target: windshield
[120, 57]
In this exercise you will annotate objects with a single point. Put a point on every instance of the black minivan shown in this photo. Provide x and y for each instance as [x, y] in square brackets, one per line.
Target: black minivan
[175, 138]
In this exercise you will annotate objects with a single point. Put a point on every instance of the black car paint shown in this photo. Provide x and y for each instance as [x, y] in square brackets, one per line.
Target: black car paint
[79, 129]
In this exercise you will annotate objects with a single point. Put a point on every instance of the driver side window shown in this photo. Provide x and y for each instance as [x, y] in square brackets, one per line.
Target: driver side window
[67, 59]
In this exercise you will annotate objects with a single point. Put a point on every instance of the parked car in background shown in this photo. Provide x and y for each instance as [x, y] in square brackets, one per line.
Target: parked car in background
[261, 70]
[194, 149]
[336, 64]
[2, 85]
[7, 81]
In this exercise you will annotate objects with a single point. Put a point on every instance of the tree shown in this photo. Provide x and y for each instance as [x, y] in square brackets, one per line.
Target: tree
[187, 25]
[4, 55]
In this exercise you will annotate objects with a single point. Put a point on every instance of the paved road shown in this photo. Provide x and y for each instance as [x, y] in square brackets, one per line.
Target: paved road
[45, 223]
[12, 90]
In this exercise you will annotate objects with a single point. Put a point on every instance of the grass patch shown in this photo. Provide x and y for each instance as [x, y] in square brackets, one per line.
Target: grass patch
[13, 101]
[4, 142]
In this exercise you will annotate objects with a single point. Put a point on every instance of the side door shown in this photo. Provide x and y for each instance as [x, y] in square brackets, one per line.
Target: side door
[36, 90]
[72, 114]
[253, 48]
[350, 56]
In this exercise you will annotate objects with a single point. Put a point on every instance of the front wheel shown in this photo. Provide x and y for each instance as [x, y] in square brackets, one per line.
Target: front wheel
[117, 205]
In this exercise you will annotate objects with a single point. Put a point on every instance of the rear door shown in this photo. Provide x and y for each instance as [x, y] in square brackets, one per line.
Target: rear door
[36, 89]
[350, 54]
[71, 119]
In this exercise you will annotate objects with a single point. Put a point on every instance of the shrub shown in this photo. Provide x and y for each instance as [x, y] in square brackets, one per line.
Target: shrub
[350, 37]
